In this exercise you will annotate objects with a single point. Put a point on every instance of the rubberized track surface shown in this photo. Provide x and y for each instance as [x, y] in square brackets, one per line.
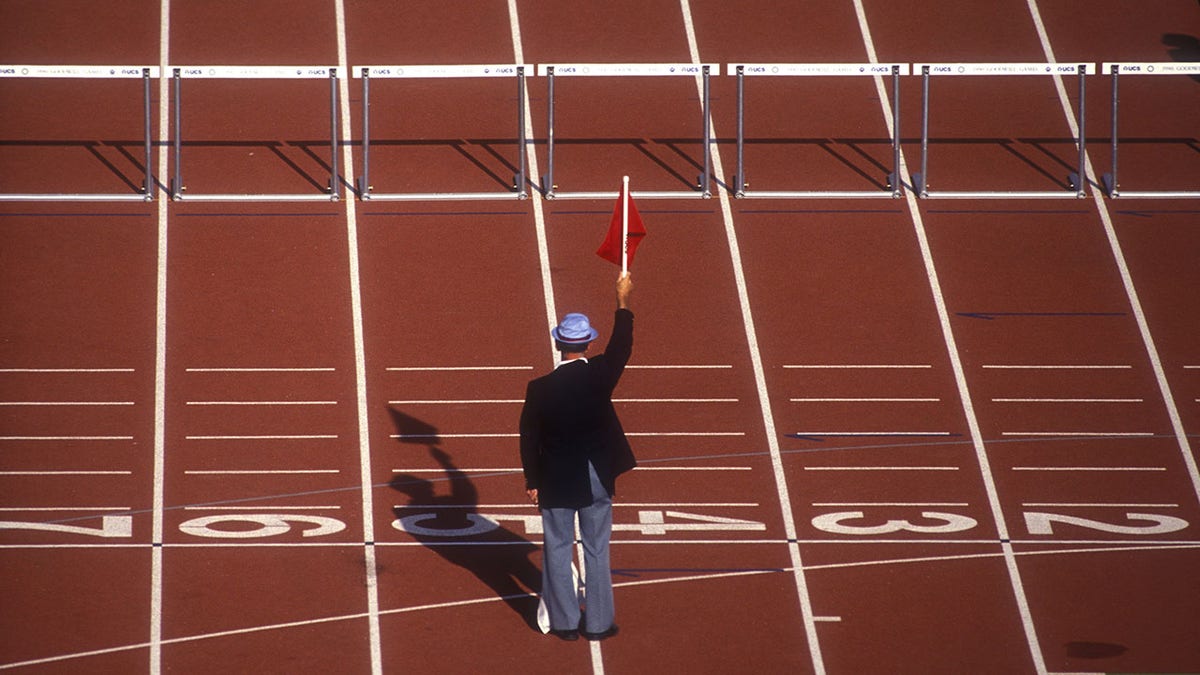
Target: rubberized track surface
[890, 436]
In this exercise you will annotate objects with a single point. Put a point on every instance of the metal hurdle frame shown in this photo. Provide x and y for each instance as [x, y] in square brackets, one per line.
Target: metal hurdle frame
[366, 190]
[550, 71]
[333, 191]
[741, 70]
[146, 73]
[1077, 181]
[1109, 180]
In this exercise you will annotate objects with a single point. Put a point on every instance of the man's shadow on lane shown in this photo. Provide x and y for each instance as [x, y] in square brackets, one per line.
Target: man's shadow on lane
[450, 525]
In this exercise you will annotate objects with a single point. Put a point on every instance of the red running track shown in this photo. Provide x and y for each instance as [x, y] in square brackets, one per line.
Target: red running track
[927, 436]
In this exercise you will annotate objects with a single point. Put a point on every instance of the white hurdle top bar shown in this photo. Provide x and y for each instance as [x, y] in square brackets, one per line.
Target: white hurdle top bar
[1156, 68]
[254, 72]
[1063, 68]
[482, 70]
[626, 69]
[815, 69]
[77, 71]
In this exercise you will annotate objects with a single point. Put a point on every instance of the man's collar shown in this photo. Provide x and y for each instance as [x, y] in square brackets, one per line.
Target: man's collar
[563, 363]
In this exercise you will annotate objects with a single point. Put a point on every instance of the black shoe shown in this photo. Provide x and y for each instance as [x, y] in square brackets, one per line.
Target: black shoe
[602, 635]
[568, 635]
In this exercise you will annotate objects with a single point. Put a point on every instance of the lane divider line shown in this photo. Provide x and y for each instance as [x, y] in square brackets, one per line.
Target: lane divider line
[371, 581]
[160, 340]
[1114, 243]
[764, 399]
[960, 379]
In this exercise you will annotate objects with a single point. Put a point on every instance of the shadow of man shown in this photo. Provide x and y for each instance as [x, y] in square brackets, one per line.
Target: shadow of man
[450, 525]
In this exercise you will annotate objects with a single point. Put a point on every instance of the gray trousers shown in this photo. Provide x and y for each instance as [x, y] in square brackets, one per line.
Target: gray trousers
[558, 587]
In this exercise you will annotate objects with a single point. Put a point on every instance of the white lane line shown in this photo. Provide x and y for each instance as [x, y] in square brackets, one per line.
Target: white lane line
[865, 400]
[404, 437]
[517, 469]
[952, 352]
[675, 400]
[886, 504]
[539, 216]
[435, 369]
[648, 505]
[263, 403]
[255, 472]
[498, 401]
[69, 509]
[1160, 376]
[657, 434]
[160, 343]
[872, 433]
[1056, 366]
[1080, 434]
[692, 468]
[881, 468]
[260, 507]
[263, 369]
[679, 366]
[857, 366]
[274, 437]
[370, 579]
[1068, 400]
[66, 370]
[66, 473]
[508, 401]
[760, 379]
[64, 403]
[66, 438]
[1089, 468]
[459, 401]
[1099, 505]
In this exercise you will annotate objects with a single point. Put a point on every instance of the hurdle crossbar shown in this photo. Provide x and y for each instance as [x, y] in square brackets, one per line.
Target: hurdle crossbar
[704, 71]
[332, 190]
[145, 73]
[1076, 181]
[367, 73]
[1109, 180]
[743, 70]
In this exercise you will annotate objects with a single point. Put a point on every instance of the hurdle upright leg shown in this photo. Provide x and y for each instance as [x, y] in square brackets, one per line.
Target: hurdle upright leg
[148, 185]
[519, 181]
[177, 171]
[1110, 179]
[364, 181]
[335, 179]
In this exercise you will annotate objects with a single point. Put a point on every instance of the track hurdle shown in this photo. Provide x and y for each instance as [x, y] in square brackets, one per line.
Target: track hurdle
[1109, 180]
[367, 73]
[93, 72]
[550, 71]
[743, 70]
[333, 190]
[1076, 181]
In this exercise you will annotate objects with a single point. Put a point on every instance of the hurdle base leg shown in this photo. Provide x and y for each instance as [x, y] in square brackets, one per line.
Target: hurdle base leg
[1077, 184]
[1110, 186]
[919, 186]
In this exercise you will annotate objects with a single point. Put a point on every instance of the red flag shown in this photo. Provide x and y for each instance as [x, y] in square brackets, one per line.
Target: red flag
[611, 249]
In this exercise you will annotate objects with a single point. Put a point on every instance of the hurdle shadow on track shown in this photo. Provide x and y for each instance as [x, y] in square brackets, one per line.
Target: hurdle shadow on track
[645, 147]
[451, 502]
[275, 147]
[870, 168]
[132, 177]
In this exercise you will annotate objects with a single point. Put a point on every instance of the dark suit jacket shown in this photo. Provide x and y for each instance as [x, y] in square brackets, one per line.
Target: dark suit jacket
[568, 419]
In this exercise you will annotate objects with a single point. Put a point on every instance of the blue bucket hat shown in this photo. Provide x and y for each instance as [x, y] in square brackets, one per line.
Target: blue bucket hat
[575, 329]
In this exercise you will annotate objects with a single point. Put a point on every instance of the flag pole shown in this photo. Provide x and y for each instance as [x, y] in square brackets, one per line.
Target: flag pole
[624, 225]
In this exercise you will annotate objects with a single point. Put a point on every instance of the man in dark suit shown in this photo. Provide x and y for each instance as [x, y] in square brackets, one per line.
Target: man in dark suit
[572, 450]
